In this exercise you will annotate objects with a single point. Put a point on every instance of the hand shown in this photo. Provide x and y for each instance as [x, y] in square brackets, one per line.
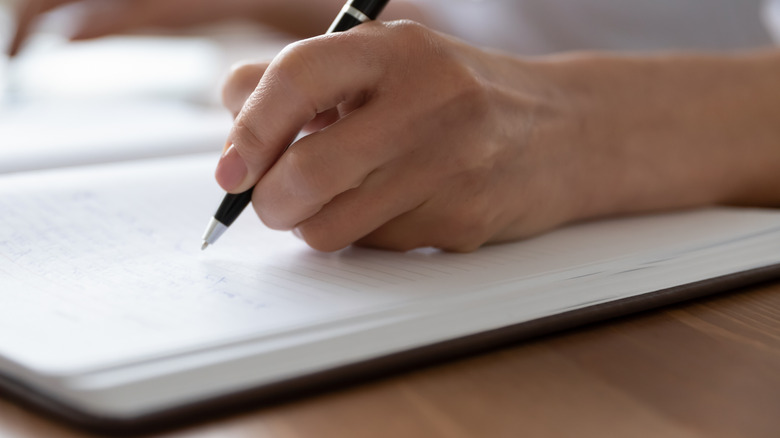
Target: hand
[417, 140]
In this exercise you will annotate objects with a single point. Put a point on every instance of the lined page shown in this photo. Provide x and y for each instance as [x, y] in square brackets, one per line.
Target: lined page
[101, 265]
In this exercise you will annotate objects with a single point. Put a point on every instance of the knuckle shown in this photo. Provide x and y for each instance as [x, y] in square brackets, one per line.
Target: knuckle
[298, 71]
[248, 139]
[413, 40]
[408, 30]
[307, 182]
[296, 65]
[290, 60]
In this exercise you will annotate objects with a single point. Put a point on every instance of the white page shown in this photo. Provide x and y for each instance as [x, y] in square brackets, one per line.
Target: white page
[101, 266]
[108, 262]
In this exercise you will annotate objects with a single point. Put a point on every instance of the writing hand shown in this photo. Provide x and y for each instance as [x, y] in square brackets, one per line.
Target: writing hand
[418, 140]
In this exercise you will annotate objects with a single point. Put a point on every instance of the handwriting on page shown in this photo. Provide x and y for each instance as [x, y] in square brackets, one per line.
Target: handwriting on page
[102, 264]
[109, 264]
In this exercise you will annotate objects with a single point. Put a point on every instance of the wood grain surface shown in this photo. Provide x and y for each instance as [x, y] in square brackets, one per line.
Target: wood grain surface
[707, 368]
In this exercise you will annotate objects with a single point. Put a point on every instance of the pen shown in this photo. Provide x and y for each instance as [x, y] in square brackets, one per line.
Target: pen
[353, 13]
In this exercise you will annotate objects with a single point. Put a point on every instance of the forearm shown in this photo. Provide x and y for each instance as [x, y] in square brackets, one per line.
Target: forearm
[671, 131]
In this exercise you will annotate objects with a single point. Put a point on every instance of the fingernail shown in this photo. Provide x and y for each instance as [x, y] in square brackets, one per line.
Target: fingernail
[231, 169]
[297, 233]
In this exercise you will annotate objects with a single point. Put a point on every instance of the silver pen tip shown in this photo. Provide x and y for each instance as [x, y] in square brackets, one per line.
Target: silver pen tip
[212, 233]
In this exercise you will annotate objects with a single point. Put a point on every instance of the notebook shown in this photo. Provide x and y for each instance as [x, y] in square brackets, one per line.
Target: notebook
[111, 316]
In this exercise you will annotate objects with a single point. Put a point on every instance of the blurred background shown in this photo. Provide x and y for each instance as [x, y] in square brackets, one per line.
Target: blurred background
[154, 94]
[124, 97]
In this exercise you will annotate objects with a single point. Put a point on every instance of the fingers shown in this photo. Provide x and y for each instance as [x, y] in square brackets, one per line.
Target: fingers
[391, 212]
[405, 152]
[26, 14]
[322, 166]
[243, 80]
[455, 216]
[357, 212]
[426, 227]
[306, 79]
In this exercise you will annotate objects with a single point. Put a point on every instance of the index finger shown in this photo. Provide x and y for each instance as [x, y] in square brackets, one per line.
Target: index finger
[306, 79]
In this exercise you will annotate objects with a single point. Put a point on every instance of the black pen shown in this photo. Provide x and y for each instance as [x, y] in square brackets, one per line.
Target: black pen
[353, 13]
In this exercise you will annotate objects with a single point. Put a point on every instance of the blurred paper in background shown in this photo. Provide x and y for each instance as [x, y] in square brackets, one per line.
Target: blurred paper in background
[118, 98]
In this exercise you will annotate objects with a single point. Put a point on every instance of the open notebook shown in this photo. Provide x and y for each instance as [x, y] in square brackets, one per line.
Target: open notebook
[110, 313]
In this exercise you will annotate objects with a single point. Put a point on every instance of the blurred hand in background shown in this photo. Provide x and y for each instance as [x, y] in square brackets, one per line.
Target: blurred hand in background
[300, 18]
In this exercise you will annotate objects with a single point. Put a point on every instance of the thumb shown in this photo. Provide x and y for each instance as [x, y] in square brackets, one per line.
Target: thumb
[308, 78]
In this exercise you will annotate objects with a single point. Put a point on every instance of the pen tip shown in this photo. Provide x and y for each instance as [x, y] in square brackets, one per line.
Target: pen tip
[204, 246]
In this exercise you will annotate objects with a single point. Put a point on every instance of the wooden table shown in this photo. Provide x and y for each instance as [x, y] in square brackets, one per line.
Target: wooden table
[709, 368]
